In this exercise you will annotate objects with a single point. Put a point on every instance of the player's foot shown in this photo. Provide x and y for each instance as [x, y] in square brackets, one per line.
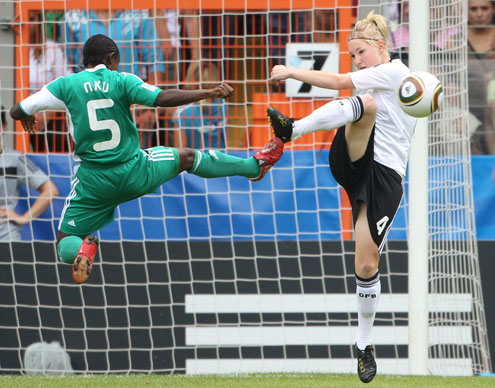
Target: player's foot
[83, 263]
[268, 156]
[366, 367]
[282, 126]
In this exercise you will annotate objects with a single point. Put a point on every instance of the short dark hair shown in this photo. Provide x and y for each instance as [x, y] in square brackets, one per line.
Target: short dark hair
[97, 48]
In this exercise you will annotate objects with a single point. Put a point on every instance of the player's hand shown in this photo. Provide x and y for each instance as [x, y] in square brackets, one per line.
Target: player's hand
[221, 91]
[279, 73]
[10, 215]
[40, 123]
[28, 123]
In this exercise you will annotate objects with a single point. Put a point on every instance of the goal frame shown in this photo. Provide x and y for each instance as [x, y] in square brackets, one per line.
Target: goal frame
[418, 194]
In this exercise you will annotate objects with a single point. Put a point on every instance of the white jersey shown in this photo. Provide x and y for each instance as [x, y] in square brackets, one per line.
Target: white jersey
[50, 65]
[393, 128]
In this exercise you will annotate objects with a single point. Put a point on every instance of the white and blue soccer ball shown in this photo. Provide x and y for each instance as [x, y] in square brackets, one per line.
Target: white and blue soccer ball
[420, 94]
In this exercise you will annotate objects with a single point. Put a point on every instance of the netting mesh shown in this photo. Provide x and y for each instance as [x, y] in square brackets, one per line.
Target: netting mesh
[225, 275]
[454, 265]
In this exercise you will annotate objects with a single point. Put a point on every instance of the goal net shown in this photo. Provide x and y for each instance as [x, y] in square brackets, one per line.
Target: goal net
[226, 275]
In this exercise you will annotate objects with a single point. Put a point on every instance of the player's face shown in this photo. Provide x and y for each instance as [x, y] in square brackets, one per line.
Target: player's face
[480, 12]
[364, 54]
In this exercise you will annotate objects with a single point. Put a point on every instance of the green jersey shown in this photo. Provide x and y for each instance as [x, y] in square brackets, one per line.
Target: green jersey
[98, 104]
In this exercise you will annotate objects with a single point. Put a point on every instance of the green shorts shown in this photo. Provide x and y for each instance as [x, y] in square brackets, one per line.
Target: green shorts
[97, 190]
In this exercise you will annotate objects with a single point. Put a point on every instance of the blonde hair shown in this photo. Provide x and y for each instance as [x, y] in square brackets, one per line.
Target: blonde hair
[372, 28]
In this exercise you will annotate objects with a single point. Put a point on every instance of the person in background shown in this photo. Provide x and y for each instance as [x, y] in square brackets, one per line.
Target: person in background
[178, 38]
[113, 169]
[203, 123]
[489, 134]
[441, 38]
[481, 45]
[15, 171]
[47, 61]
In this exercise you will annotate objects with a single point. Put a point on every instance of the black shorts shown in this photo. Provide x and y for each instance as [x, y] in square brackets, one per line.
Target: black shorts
[367, 181]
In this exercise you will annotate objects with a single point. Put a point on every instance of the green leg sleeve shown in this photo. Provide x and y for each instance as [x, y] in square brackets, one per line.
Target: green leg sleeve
[215, 164]
[68, 248]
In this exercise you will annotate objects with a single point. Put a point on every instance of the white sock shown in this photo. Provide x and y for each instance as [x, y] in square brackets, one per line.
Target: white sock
[332, 115]
[368, 293]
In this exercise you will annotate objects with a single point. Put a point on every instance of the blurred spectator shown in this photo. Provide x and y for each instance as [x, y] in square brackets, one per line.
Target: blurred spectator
[392, 11]
[181, 55]
[47, 61]
[481, 39]
[399, 38]
[134, 32]
[440, 39]
[286, 27]
[283, 28]
[203, 123]
[17, 170]
[54, 26]
[169, 26]
[489, 134]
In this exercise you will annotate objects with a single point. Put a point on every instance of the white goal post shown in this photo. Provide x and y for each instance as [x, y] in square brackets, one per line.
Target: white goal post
[440, 242]
[419, 37]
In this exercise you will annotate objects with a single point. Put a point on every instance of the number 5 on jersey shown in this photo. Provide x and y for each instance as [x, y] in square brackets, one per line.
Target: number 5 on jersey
[100, 125]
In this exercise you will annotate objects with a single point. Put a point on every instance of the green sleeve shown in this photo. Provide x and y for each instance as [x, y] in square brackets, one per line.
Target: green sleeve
[140, 92]
[55, 88]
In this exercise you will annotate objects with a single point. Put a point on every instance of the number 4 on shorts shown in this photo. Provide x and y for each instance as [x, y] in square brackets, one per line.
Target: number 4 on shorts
[380, 225]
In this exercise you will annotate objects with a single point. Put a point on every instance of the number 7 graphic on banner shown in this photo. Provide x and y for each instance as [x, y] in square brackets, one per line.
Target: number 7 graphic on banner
[311, 56]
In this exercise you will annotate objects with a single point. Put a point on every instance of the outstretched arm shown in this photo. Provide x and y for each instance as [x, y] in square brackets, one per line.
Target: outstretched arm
[37, 102]
[177, 97]
[322, 79]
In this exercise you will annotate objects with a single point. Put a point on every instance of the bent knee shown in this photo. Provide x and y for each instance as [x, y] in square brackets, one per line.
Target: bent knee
[367, 264]
[186, 158]
[367, 270]
[369, 105]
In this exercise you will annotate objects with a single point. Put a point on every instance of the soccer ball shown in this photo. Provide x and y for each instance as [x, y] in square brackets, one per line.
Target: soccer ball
[420, 94]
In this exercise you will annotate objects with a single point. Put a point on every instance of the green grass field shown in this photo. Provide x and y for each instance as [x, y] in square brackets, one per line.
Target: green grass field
[242, 381]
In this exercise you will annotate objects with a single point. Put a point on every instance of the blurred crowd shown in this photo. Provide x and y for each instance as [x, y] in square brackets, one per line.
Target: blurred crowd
[170, 48]
[480, 64]
[173, 48]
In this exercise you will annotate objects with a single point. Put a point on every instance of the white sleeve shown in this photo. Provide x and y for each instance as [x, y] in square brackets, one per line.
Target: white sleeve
[379, 77]
[42, 100]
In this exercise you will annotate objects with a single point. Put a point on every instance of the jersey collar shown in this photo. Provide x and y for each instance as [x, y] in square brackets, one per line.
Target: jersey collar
[100, 66]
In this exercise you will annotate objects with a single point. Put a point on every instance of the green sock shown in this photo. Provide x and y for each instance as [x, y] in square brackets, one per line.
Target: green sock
[215, 164]
[68, 248]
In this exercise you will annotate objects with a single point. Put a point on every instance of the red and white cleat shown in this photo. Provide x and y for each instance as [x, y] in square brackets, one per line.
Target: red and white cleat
[268, 156]
[83, 263]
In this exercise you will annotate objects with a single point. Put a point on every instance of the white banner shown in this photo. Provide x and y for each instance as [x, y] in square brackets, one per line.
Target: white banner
[311, 56]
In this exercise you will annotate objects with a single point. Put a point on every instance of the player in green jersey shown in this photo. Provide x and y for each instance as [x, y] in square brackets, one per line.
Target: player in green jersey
[112, 168]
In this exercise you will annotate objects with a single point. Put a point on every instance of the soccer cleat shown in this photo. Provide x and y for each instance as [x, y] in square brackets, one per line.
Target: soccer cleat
[268, 156]
[83, 263]
[366, 367]
[282, 126]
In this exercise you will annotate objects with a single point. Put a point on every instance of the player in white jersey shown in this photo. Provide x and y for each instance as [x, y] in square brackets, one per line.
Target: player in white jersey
[112, 168]
[368, 156]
